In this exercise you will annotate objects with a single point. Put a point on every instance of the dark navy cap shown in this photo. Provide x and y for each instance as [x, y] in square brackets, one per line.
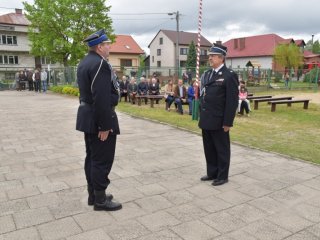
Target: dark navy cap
[97, 38]
[218, 49]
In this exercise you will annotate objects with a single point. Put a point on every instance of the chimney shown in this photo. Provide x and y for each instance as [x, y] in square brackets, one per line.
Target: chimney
[242, 43]
[219, 42]
[235, 43]
[18, 11]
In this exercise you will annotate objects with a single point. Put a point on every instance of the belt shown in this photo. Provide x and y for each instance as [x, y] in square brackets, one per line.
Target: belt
[90, 104]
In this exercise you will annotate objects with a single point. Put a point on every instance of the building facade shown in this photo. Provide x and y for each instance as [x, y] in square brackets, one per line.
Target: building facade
[163, 50]
[125, 55]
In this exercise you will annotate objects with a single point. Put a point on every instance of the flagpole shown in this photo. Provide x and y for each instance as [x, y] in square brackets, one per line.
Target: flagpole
[195, 112]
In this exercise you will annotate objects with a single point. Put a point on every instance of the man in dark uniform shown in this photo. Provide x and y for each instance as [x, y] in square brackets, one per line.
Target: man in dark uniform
[218, 104]
[99, 94]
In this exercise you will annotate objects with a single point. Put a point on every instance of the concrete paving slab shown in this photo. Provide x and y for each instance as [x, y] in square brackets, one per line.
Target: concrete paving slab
[155, 175]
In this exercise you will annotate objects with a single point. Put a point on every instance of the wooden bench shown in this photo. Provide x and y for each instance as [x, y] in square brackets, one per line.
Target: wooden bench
[154, 97]
[258, 97]
[256, 101]
[289, 102]
[139, 97]
[150, 97]
[250, 94]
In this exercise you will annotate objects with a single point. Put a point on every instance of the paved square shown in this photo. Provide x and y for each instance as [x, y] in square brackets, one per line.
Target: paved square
[155, 175]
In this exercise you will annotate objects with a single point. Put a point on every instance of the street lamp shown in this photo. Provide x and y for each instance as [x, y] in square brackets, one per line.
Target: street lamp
[177, 57]
[312, 42]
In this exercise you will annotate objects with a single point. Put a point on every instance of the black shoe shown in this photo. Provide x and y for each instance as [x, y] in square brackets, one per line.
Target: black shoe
[206, 178]
[107, 206]
[218, 182]
[91, 198]
[101, 202]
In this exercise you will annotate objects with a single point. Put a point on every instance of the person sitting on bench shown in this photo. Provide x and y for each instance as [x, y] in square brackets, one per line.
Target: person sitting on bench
[154, 88]
[180, 95]
[124, 88]
[244, 103]
[143, 88]
[168, 94]
[132, 90]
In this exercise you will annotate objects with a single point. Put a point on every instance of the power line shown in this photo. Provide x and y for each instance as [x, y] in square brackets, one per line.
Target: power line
[7, 8]
[136, 13]
[137, 18]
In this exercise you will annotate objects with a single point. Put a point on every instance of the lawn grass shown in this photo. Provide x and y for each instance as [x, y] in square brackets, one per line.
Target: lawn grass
[292, 131]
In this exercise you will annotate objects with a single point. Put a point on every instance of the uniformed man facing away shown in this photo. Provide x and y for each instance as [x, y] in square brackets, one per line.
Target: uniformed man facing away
[99, 94]
[218, 104]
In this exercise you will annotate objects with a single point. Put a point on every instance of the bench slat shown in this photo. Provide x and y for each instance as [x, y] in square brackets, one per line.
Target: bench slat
[289, 102]
[256, 101]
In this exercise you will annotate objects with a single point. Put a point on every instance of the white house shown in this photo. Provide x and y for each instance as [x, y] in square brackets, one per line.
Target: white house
[163, 49]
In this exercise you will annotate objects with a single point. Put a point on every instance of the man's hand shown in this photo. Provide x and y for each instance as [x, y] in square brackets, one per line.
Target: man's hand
[226, 128]
[103, 135]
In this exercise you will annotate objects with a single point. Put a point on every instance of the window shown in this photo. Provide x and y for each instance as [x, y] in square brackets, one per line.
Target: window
[158, 52]
[126, 62]
[203, 52]
[158, 63]
[4, 39]
[153, 59]
[184, 51]
[4, 59]
[9, 76]
[8, 40]
[161, 41]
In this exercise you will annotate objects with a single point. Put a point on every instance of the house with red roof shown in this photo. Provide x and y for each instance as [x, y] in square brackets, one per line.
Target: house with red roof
[125, 52]
[258, 49]
[163, 48]
[14, 43]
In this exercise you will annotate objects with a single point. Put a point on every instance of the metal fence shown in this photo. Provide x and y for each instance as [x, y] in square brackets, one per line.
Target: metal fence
[259, 79]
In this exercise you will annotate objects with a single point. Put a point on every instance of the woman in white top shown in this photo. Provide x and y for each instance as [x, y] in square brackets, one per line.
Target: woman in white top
[168, 94]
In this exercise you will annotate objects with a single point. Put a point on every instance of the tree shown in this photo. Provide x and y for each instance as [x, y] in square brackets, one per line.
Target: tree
[59, 27]
[192, 57]
[288, 56]
[309, 46]
[316, 47]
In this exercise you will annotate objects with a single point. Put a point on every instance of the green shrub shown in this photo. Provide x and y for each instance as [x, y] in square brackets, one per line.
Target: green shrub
[69, 90]
[310, 77]
[277, 77]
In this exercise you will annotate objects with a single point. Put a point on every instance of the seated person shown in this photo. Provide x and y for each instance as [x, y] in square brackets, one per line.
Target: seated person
[244, 103]
[132, 90]
[154, 88]
[124, 88]
[143, 88]
[180, 95]
[168, 94]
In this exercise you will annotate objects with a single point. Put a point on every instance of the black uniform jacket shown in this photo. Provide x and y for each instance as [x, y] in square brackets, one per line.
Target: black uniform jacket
[219, 99]
[98, 96]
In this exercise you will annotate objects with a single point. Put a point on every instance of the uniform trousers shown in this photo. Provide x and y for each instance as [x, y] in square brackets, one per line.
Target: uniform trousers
[216, 144]
[99, 160]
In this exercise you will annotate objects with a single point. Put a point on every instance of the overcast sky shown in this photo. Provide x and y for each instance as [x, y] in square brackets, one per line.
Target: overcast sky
[221, 20]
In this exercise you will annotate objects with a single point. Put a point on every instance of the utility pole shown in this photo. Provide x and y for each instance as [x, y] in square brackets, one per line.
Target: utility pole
[177, 57]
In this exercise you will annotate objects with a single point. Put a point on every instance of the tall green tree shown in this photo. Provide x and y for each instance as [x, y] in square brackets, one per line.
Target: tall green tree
[58, 27]
[316, 47]
[308, 45]
[288, 56]
[192, 57]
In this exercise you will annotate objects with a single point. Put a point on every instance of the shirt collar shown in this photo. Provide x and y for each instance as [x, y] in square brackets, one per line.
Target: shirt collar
[218, 69]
